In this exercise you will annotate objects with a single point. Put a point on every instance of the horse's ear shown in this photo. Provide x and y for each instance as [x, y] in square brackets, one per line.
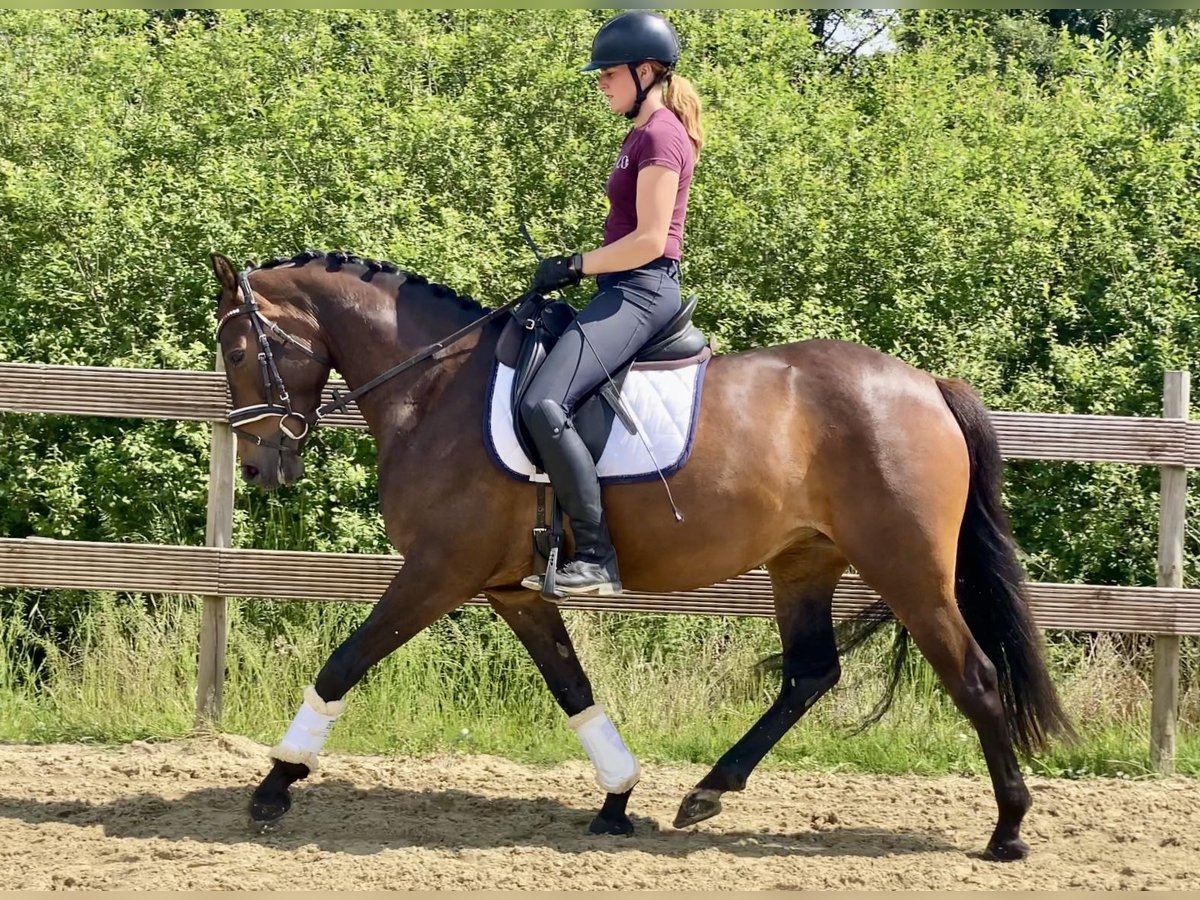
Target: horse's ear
[224, 270]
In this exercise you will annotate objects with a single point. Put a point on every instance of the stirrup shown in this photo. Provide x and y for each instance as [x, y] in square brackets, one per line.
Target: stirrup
[549, 588]
[545, 584]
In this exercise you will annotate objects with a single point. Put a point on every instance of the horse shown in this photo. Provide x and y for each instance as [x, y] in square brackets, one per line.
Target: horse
[809, 458]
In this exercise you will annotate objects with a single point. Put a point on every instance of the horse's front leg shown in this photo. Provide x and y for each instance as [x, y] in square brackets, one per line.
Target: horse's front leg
[539, 626]
[418, 596]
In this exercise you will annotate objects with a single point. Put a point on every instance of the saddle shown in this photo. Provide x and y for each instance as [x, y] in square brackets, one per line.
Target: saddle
[535, 328]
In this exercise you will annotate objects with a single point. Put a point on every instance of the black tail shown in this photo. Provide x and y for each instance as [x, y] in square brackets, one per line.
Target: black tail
[990, 585]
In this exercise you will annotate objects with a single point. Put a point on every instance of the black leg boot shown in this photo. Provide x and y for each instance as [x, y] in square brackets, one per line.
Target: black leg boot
[572, 473]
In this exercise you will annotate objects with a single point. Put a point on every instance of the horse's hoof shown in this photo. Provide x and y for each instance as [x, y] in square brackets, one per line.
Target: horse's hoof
[603, 825]
[1008, 850]
[265, 811]
[700, 804]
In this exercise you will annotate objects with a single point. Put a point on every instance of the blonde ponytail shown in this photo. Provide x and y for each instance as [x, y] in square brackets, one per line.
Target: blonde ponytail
[681, 98]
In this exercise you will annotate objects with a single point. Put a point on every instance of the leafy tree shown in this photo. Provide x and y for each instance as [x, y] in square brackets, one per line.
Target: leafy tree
[1031, 37]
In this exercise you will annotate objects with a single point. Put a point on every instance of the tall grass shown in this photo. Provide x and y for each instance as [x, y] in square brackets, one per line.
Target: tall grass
[680, 688]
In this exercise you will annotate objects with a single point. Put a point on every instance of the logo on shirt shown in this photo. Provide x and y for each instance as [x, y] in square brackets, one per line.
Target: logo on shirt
[622, 162]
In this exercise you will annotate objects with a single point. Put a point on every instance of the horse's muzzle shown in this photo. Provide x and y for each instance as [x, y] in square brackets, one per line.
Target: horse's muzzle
[272, 470]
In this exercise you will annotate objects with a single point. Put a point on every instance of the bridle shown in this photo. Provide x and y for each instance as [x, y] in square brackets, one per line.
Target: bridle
[273, 386]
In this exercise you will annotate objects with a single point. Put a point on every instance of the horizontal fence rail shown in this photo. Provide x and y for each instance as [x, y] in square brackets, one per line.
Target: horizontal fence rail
[217, 571]
[203, 396]
[129, 393]
[297, 575]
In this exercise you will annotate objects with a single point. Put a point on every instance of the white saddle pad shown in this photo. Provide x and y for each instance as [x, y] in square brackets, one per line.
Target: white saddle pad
[663, 398]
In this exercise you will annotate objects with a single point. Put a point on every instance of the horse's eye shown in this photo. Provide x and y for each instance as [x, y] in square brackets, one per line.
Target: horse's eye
[237, 356]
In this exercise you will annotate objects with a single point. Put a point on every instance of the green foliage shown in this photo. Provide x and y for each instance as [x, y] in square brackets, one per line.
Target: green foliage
[1028, 38]
[1039, 239]
[1018, 212]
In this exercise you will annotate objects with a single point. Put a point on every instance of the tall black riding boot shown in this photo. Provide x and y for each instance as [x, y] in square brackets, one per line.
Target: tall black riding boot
[572, 471]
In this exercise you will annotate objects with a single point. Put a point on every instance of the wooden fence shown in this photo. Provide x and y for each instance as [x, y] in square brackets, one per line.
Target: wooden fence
[216, 572]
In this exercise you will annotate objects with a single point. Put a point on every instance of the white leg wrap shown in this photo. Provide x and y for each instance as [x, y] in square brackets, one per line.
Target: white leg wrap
[617, 770]
[306, 735]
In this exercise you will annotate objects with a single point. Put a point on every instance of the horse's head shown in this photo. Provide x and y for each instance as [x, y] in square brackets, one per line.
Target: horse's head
[276, 365]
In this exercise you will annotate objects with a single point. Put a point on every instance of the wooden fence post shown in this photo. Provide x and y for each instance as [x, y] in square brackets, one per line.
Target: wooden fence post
[1172, 513]
[218, 532]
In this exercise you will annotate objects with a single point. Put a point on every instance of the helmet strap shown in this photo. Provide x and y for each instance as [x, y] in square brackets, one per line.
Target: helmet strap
[641, 91]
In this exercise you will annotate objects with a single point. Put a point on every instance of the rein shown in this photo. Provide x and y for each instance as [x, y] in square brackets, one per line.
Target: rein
[273, 382]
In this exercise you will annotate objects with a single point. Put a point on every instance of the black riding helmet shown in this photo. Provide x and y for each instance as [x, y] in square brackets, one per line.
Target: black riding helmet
[632, 38]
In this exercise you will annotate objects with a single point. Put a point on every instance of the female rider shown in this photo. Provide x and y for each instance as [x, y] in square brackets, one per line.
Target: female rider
[636, 269]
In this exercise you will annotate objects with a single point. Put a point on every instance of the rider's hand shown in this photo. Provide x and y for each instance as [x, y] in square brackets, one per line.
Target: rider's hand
[557, 272]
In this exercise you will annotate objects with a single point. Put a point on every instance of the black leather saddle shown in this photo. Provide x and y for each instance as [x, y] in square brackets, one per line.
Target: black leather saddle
[535, 328]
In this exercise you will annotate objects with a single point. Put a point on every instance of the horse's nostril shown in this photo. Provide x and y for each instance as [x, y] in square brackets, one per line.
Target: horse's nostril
[249, 472]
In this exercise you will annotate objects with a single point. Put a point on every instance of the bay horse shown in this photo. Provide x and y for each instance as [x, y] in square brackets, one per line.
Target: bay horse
[808, 458]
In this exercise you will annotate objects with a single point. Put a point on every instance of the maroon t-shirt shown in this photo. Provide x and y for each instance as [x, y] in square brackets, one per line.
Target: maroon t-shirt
[662, 141]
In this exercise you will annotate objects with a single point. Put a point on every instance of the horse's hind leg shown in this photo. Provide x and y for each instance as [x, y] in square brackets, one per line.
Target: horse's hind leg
[803, 581]
[970, 678]
[417, 596]
[917, 582]
[539, 626]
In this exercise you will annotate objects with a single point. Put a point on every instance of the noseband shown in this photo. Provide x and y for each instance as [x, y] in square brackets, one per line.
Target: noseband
[273, 385]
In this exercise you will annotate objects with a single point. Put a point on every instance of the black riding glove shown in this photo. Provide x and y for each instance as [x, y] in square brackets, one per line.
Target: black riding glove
[557, 272]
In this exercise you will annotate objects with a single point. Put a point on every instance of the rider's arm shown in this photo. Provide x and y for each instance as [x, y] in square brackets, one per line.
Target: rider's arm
[657, 188]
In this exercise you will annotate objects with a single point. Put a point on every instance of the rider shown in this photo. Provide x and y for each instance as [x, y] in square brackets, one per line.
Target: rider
[637, 269]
